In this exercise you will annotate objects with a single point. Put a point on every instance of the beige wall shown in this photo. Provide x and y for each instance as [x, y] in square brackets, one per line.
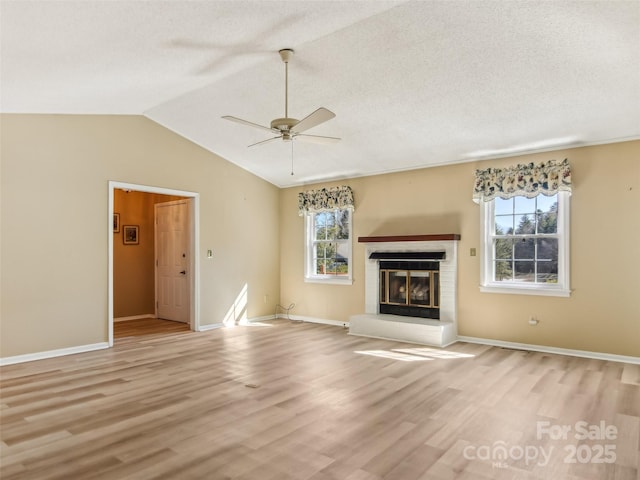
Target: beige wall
[54, 228]
[133, 265]
[603, 312]
[55, 225]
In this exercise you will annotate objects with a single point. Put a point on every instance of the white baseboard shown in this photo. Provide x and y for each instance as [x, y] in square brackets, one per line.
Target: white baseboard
[544, 349]
[324, 321]
[211, 326]
[30, 357]
[264, 318]
[134, 317]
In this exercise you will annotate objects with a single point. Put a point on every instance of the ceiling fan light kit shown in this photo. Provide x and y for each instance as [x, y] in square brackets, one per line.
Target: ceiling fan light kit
[288, 128]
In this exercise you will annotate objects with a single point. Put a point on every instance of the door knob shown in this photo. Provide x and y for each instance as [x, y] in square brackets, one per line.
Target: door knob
[183, 272]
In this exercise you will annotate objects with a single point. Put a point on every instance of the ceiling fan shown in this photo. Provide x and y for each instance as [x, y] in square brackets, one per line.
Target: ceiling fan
[288, 128]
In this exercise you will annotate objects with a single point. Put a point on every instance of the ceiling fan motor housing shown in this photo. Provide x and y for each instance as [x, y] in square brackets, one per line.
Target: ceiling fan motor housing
[284, 124]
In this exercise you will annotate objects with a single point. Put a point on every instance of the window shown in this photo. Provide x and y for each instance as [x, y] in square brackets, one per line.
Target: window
[525, 245]
[328, 246]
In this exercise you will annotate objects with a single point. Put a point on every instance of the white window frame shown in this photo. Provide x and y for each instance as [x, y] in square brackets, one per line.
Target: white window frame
[309, 271]
[487, 264]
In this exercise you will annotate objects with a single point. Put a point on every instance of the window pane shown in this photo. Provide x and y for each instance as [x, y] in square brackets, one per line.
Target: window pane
[503, 271]
[547, 272]
[545, 203]
[524, 249]
[341, 258]
[320, 230]
[320, 251]
[331, 226]
[547, 249]
[330, 255]
[526, 225]
[548, 221]
[330, 267]
[504, 225]
[503, 207]
[320, 267]
[503, 249]
[342, 222]
[524, 271]
[524, 205]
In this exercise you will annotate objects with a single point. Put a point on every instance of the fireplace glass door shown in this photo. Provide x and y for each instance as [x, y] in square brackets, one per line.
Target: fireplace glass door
[416, 288]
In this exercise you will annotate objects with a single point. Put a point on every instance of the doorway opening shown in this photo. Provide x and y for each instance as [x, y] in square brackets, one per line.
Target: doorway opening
[137, 298]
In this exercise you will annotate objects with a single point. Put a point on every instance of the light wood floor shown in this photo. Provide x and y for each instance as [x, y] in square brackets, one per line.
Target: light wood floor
[300, 401]
[130, 329]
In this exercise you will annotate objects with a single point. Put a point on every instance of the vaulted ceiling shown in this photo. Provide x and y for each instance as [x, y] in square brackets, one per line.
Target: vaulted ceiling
[412, 83]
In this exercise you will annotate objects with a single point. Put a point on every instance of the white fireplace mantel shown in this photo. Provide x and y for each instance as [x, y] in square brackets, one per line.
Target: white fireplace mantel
[394, 327]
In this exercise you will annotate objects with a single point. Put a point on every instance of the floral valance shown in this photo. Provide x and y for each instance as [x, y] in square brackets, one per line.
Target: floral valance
[325, 199]
[527, 180]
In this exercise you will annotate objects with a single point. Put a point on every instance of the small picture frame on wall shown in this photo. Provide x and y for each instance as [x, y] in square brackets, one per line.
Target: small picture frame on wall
[130, 235]
[116, 223]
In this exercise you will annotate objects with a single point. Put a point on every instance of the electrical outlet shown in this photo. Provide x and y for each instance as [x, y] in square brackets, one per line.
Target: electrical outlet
[266, 298]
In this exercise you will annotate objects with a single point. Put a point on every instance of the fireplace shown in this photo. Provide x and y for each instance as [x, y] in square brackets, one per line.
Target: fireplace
[410, 289]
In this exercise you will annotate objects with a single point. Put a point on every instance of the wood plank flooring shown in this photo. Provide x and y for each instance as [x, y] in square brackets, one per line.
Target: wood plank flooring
[146, 327]
[288, 400]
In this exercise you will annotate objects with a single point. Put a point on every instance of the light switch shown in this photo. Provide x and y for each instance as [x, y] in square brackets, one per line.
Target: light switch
[472, 252]
[209, 253]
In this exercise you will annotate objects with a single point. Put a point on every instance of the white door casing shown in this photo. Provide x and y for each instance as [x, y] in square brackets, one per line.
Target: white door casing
[173, 272]
[194, 237]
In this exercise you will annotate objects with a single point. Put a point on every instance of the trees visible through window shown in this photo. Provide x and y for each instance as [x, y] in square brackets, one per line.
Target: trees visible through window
[525, 245]
[329, 245]
[525, 239]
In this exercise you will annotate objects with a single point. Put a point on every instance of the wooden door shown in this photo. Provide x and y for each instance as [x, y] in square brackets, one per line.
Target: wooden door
[173, 275]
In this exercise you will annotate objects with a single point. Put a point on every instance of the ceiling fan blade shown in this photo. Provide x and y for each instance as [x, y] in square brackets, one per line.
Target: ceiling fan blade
[251, 124]
[317, 138]
[321, 115]
[264, 141]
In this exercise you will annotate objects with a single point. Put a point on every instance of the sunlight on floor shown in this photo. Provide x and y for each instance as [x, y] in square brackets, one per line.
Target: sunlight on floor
[394, 355]
[415, 354]
[434, 353]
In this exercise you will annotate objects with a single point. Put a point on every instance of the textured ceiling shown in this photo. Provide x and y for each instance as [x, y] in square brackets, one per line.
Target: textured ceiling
[412, 84]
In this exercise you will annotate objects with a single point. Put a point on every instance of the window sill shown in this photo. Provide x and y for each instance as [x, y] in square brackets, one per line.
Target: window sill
[330, 280]
[526, 290]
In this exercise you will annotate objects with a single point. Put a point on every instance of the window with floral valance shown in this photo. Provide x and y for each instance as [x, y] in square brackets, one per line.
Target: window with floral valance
[328, 234]
[525, 228]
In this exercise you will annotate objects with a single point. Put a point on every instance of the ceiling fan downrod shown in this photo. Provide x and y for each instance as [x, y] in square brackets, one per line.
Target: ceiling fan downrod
[286, 54]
